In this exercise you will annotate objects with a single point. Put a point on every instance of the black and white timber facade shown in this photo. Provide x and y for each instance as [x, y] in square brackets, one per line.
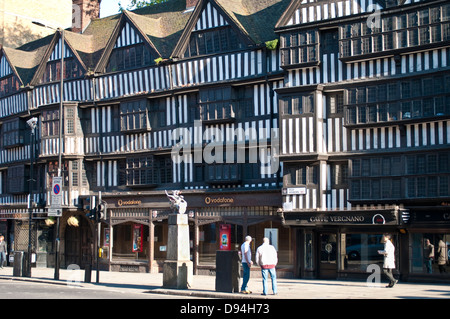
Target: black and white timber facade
[355, 118]
[364, 126]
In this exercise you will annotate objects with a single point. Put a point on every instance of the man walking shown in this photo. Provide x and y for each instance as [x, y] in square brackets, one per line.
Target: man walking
[247, 262]
[3, 251]
[389, 259]
[267, 259]
[428, 255]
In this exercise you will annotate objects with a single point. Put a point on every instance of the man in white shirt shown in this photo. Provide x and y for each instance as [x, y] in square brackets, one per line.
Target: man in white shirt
[389, 259]
[247, 262]
[267, 259]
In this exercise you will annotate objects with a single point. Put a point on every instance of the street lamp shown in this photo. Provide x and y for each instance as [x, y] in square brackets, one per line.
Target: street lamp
[32, 123]
[61, 98]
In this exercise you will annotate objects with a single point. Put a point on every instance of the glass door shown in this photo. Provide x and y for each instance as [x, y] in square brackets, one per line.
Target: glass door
[327, 256]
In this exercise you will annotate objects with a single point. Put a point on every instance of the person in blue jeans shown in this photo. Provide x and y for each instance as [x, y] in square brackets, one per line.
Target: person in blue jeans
[267, 259]
[3, 251]
[247, 263]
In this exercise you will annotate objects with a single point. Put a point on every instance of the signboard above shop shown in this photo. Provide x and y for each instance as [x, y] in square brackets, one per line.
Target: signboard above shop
[370, 217]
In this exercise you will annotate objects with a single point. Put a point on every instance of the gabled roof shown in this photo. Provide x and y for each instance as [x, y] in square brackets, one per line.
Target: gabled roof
[23, 63]
[169, 20]
[77, 44]
[257, 18]
[159, 25]
[165, 27]
[288, 17]
[127, 21]
[254, 20]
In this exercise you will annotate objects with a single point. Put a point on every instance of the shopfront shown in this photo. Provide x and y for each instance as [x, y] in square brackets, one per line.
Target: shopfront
[15, 228]
[428, 224]
[340, 244]
[135, 235]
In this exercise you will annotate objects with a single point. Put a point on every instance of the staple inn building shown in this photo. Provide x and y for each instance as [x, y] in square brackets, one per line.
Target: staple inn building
[354, 116]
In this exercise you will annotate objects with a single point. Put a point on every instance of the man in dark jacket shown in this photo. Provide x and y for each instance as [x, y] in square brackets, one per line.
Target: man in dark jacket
[3, 251]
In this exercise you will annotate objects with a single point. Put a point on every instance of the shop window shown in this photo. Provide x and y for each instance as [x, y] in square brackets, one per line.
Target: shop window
[420, 262]
[360, 251]
[130, 242]
[208, 244]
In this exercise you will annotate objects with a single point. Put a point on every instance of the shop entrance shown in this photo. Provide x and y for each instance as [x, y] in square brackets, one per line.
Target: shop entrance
[327, 255]
[78, 243]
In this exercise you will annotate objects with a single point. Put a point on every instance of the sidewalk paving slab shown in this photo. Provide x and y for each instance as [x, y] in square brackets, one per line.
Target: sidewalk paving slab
[204, 286]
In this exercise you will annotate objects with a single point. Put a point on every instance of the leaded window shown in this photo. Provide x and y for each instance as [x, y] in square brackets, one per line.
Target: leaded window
[426, 26]
[134, 116]
[299, 47]
[217, 40]
[129, 57]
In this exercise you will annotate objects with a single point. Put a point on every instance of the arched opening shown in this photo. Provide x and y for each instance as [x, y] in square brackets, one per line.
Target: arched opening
[79, 243]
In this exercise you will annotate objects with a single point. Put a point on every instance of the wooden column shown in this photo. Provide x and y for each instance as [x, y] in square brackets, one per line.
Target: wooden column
[151, 244]
[196, 244]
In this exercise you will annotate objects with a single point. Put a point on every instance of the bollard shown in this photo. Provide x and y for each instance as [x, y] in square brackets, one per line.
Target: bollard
[87, 273]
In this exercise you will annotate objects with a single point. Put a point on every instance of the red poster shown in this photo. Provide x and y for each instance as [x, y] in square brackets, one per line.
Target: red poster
[137, 238]
[225, 237]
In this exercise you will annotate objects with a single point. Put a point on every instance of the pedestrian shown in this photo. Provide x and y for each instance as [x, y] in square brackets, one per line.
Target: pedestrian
[247, 263]
[428, 255]
[267, 259]
[389, 259]
[3, 251]
[442, 258]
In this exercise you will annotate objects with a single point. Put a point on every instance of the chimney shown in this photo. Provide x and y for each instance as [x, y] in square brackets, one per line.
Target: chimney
[83, 11]
[190, 4]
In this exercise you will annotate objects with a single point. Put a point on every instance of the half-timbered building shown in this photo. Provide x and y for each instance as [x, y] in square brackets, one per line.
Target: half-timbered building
[137, 85]
[364, 132]
[319, 124]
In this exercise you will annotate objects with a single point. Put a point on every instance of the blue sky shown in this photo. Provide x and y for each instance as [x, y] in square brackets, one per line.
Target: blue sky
[110, 7]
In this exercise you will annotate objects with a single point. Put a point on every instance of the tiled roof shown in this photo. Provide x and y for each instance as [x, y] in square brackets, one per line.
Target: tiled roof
[163, 24]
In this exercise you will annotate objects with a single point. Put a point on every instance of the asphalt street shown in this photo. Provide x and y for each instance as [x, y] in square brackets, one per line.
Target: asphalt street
[34, 290]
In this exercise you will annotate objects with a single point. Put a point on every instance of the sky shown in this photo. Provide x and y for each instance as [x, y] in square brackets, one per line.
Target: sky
[110, 7]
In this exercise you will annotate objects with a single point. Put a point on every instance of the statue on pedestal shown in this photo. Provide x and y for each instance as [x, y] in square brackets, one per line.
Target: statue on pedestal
[178, 268]
[177, 202]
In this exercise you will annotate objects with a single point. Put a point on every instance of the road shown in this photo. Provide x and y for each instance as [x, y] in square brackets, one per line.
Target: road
[32, 290]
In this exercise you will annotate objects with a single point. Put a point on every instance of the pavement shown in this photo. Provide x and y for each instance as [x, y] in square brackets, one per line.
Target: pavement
[204, 286]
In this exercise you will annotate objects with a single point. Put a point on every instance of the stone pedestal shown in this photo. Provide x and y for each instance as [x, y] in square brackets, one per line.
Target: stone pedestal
[178, 270]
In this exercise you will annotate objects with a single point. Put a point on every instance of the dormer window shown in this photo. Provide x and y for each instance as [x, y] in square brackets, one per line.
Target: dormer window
[217, 40]
[129, 57]
[72, 70]
[9, 85]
